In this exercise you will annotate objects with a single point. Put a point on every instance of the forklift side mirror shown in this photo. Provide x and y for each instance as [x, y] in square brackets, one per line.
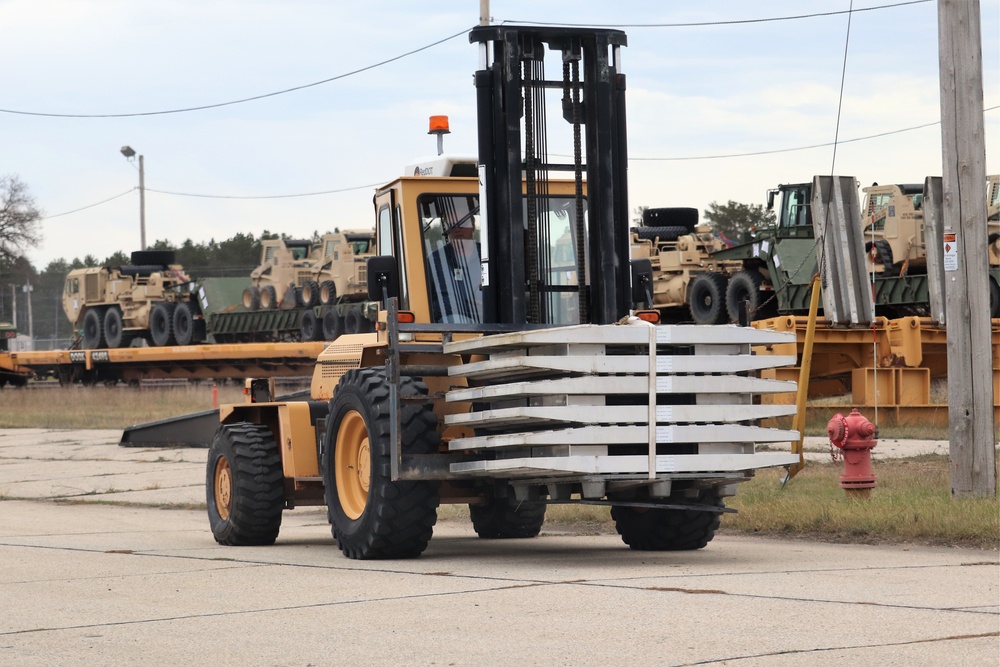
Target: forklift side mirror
[642, 282]
[383, 278]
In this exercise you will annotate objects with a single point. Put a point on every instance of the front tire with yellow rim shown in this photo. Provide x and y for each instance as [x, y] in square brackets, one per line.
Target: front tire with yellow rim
[244, 485]
[371, 515]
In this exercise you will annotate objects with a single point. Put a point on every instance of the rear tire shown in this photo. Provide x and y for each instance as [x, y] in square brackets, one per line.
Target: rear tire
[354, 321]
[184, 323]
[310, 329]
[93, 330]
[506, 518]
[372, 516]
[744, 286]
[268, 298]
[161, 324]
[114, 330]
[244, 485]
[328, 293]
[707, 299]
[668, 529]
[333, 325]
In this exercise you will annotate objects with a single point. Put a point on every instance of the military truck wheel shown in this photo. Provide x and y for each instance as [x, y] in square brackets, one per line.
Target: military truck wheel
[184, 323]
[668, 530]
[114, 329]
[354, 321]
[161, 324]
[661, 234]
[685, 217]
[268, 298]
[372, 516]
[333, 325]
[244, 485]
[310, 294]
[251, 298]
[93, 330]
[328, 293]
[744, 286]
[506, 518]
[152, 258]
[310, 329]
[707, 298]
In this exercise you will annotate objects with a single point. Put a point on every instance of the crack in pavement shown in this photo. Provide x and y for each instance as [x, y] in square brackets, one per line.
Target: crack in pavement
[851, 647]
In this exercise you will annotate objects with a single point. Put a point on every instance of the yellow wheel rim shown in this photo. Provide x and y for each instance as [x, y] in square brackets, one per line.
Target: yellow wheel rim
[223, 487]
[352, 458]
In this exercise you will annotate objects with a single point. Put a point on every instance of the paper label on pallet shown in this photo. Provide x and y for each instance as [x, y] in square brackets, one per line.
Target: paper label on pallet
[665, 463]
[664, 434]
[950, 252]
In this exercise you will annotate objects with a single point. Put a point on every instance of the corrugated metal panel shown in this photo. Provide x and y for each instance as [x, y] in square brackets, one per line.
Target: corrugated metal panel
[836, 211]
[934, 240]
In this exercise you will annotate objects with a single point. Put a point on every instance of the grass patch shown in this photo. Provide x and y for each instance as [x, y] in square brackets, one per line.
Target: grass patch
[912, 503]
[79, 407]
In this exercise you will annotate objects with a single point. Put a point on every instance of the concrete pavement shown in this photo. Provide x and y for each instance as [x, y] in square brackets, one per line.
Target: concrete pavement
[142, 582]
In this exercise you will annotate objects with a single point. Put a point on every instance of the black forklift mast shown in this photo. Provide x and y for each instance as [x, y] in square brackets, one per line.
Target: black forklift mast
[513, 144]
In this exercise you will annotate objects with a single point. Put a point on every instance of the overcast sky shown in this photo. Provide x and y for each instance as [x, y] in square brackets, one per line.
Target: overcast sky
[693, 91]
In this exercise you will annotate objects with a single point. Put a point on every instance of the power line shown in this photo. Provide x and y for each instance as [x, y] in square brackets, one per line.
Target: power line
[300, 194]
[631, 158]
[701, 24]
[83, 208]
[239, 101]
[790, 150]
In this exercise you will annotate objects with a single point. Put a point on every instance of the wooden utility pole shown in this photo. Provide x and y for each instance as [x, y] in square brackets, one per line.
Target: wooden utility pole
[484, 12]
[970, 369]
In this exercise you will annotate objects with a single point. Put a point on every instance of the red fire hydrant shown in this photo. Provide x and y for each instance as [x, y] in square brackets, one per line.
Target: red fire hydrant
[855, 436]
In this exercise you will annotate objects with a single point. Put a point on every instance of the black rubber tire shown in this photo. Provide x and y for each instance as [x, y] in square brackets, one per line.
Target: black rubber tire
[268, 298]
[744, 286]
[310, 294]
[185, 332]
[114, 328]
[310, 328]
[707, 299]
[884, 251]
[505, 518]
[251, 298]
[668, 529]
[153, 257]
[680, 216]
[994, 299]
[328, 293]
[354, 321]
[93, 329]
[661, 233]
[333, 325]
[161, 324]
[253, 511]
[398, 518]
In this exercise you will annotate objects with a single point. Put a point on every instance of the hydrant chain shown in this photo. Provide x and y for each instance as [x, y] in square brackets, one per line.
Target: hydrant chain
[854, 434]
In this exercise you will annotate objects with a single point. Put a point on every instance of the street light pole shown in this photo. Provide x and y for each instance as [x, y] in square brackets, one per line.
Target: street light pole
[129, 153]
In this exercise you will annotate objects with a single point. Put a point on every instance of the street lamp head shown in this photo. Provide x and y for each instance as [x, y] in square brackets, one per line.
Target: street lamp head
[128, 152]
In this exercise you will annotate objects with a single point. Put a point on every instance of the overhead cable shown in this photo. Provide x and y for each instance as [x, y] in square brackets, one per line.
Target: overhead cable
[702, 24]
[239, 101]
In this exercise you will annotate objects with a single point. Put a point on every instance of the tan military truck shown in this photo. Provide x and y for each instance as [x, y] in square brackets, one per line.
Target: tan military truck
[294, 273]
[894, 227]
[111, 306]
[686, 281]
